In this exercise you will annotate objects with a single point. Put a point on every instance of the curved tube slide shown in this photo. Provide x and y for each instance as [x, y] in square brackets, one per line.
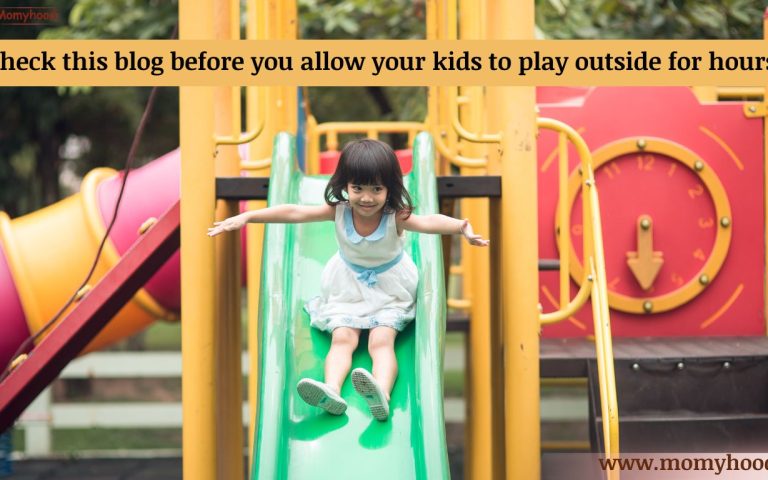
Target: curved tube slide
[45, 255]
[294, 440]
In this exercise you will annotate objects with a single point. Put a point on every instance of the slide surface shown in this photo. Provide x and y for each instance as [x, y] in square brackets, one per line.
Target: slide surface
[296, 441]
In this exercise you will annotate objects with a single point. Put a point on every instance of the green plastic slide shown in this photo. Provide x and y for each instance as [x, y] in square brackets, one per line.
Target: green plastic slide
[296, 441]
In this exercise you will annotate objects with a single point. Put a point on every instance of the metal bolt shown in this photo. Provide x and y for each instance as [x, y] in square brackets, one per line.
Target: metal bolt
[647, 306]
[704, 279]
[636, 367]
[680, 365]
[589, 278]
[588, 183]
[726, 365]
[752, 109]
[641, 144]
[83, 292]
[645, 224]
[698, 165]
[725, 222]
[581, 172]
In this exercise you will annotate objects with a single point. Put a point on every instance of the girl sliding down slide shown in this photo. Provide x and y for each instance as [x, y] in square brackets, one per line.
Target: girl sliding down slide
[370, 283]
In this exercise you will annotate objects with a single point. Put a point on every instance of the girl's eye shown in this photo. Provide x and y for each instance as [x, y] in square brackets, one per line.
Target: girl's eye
[377, 189]
[356, 188]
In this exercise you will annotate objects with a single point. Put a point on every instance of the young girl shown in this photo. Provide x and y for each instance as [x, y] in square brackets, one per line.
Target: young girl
[370, 284]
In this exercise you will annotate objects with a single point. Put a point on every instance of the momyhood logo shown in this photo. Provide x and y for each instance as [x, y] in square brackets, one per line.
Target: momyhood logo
[28, 15]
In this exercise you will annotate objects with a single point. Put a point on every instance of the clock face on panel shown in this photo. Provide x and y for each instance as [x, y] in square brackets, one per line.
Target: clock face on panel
[682, 199]
[671, 232]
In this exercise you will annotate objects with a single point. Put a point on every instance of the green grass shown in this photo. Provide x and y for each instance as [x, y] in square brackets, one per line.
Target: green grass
[163, 336]
[78, 439]
[453, 383]
[73, 440]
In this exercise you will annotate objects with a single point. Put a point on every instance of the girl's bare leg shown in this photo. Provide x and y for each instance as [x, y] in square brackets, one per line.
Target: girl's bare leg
[339, 359]
[381, 346]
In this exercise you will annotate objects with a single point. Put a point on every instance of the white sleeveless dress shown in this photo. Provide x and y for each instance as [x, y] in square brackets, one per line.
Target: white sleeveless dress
[370, 282]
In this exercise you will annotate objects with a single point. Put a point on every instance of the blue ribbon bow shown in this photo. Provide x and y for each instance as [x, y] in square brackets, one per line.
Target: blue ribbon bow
[368, 277]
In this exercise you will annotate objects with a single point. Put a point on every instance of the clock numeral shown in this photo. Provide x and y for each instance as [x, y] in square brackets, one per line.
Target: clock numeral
[672, 169]
[612, 170]
[645, 162]
[697, 191]
[699, 254]
[706, 222]
[577, 230]
[677, 279]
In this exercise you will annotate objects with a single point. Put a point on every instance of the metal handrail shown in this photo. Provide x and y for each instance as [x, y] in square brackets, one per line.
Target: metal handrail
[462, 131]
[332, 130]
[594, 284]
[246, 137]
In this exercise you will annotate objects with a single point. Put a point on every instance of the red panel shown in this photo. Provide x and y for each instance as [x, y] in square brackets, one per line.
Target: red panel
[329, 160]
[629, 186]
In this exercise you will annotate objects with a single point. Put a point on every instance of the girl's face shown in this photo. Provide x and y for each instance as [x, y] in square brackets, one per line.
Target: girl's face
[367, 200]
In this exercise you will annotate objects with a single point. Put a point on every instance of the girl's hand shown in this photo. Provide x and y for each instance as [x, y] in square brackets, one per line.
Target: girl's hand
[227, 225]
[471, 236]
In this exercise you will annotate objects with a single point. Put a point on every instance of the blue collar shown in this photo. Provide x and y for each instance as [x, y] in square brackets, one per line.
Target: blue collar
[353, 236]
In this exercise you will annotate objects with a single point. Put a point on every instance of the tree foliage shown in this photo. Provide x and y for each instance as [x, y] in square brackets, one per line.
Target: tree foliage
[650, 19]
[362, 19]
[117, 19]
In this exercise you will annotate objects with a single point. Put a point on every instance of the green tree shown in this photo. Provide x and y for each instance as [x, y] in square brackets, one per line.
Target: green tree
[38, 123]
[650, 19]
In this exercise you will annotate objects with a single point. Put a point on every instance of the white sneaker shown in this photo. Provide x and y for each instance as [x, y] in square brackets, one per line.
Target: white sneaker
[367, 386]
[321, 395]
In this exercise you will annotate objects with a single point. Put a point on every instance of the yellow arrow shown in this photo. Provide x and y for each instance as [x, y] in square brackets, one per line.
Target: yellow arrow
[645, 263]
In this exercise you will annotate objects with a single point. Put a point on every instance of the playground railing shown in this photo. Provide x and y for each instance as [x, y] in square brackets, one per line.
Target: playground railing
[594, 278]
[332, 130]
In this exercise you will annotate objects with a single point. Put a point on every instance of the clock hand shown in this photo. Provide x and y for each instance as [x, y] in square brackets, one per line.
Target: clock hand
[645, 263]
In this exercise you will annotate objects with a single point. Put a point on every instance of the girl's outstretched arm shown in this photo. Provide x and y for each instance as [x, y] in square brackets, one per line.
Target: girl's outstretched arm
[287, 213]
[443, 225]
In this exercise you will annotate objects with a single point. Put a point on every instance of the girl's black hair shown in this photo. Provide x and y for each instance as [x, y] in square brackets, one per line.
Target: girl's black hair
[369, 162]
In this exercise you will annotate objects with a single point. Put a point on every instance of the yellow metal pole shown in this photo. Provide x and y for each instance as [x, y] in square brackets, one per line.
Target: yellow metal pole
[476, 262]
[290, 95]
[198, 390]
[514, 114]
[256, 97]
[229, 442]
[564, 215]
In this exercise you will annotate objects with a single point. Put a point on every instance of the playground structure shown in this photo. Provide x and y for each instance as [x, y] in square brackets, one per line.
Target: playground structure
[711, 284]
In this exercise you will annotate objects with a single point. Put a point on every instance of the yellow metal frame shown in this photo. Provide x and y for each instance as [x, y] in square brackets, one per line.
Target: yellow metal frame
[595, 281]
